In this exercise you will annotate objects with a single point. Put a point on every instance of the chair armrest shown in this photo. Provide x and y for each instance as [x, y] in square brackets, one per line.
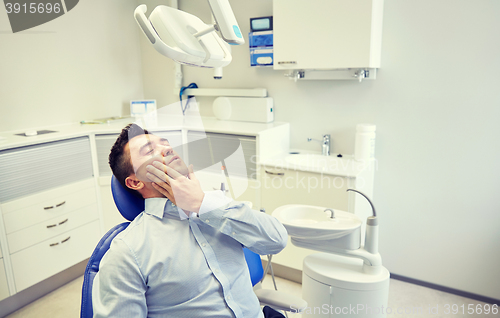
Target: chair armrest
[280, 301]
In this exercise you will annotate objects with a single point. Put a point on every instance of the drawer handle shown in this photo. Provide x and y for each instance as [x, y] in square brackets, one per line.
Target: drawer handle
[62, 203]
[275, 173]
[54, 206]
[63, 241]
[54, 225]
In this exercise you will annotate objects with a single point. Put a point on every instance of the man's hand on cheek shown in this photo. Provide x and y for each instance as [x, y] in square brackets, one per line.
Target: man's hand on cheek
[187, 192]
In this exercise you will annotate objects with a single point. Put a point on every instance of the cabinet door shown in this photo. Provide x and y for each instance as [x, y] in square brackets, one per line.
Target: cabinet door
[103, 145]
[324, 34]
[31, 169]
[281, 187]
[238, 153]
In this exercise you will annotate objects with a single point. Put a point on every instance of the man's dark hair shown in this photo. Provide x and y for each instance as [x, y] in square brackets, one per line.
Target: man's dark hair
[119, 159]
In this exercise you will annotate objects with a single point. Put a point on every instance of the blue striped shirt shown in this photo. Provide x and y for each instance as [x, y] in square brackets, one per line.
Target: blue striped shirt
[165, 264]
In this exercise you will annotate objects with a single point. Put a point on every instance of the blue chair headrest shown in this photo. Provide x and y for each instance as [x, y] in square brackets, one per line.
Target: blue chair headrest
[127, 203]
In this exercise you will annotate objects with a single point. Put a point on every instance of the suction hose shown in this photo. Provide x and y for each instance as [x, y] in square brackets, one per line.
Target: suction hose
[371, 236]
[366, 197]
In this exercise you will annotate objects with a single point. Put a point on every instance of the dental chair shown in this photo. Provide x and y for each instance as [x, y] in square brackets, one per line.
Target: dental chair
[130, 206]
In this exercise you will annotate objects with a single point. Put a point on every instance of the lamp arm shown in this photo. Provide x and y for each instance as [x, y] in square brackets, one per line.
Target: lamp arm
[226, 21]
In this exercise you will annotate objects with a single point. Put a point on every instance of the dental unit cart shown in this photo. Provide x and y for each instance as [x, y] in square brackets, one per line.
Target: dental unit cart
[348, 278]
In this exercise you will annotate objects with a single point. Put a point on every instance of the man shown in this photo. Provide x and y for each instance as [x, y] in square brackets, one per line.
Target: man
[181, 257]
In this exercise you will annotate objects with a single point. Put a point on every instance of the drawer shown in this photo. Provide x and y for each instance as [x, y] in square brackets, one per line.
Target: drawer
[45, 230]
[48, 209]
[31, 169]
[43, 196]
[4, 287]
[38, 262]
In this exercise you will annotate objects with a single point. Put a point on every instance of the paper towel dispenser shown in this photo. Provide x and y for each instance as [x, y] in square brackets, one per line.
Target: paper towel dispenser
[251, 109]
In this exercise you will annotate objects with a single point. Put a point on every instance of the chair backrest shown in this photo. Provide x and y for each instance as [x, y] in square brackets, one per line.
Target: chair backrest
[254, 264]
[131, 206]
[93, 267]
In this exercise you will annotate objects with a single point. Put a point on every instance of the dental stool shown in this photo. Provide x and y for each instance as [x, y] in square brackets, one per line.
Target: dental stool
[130, 206]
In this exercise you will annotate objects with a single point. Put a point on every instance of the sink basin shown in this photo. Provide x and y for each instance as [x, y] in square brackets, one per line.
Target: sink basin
[310, 225]
[313, 161]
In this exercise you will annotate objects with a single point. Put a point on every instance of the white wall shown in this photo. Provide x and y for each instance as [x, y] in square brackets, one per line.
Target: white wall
[436, 104]
[85, 64]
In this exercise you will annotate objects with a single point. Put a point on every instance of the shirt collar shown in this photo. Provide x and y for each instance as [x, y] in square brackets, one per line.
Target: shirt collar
[155, 206]
[158, 206]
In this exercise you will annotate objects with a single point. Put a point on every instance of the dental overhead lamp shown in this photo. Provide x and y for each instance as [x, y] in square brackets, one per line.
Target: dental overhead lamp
[186, 39]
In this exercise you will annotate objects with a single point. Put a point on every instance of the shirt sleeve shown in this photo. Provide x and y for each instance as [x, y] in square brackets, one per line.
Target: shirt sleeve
[259, 232]
[213, 200]
[119, 287]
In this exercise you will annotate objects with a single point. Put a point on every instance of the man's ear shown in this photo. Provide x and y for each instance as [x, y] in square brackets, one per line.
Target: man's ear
[133, 183]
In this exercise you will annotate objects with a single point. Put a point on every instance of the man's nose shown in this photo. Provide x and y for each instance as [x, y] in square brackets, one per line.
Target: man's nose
[163, 150]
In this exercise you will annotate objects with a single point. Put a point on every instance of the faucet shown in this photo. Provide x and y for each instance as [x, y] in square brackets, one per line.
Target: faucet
[325, 144]
[332, 215]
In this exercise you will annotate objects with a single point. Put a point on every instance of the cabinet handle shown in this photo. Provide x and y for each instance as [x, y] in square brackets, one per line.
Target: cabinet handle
[60, 223]
[63, 241]
[54, 206]
[275, 173]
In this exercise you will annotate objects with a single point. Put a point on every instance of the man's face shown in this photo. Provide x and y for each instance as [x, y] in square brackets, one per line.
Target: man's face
[144, 149]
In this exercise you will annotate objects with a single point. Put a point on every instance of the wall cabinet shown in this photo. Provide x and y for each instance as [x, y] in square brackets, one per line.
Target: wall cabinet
[327, 34]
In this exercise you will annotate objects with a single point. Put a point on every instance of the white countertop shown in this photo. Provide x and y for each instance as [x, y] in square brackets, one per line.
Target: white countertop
[9, 139]
[331, 165]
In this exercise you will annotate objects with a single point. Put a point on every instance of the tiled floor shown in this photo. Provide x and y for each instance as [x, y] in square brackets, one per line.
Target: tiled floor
[65, 301]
